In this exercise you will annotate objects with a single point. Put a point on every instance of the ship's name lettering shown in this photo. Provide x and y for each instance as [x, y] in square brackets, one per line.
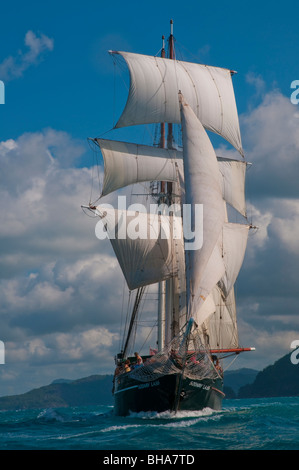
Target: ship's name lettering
[198, 385]
[150, 384]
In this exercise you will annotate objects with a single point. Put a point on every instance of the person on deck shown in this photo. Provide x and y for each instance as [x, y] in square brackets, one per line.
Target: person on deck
[139, 363]
[217, 365]
[138, 357]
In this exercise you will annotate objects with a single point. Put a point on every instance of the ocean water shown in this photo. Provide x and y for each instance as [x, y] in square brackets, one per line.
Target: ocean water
[256, 424]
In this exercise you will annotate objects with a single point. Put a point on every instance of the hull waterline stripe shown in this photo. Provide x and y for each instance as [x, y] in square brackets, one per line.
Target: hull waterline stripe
[125, 389]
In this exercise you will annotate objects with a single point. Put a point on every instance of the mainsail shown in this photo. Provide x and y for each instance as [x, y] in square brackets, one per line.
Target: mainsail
[144, 244]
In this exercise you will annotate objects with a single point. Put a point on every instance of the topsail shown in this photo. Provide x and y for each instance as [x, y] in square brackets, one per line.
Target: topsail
[154, 85]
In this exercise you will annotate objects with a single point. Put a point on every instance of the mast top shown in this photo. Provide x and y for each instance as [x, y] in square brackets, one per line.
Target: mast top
[171, 27]
[171, 42]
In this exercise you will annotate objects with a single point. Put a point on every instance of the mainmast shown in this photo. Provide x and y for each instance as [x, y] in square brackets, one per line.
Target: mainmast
[166, 304]
[172, 296]
[167, 323]
[162, 284]
[171, 56]
[162, 135]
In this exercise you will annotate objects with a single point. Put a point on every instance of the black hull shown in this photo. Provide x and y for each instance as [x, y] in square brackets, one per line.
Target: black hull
[160, 395]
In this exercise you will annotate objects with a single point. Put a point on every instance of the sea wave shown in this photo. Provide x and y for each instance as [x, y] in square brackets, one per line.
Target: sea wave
[241, 424]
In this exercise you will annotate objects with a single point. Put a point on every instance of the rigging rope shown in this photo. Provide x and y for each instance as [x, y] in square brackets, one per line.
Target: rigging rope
[126, 320]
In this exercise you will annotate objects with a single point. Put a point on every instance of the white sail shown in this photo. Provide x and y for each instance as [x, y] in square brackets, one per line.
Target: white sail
[234, 244]
[204, 267]
[183, 241]
[218, 313]
[233, 182]
[221, 324]
[229, 252]
[204, 304]
[155, 82]
[207, 309]
[142, 244]
[129, 163]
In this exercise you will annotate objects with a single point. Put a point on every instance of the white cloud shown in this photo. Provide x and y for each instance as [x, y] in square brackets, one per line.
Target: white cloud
[58, 283]
[61, 288]
[287, 224]
[258, 82]
[14, 66]
[271, 142]
[38, 361]
[267, 288]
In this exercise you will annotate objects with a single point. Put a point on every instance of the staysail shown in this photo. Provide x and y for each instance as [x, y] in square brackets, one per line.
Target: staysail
[221, 324]
[234, 242]
[205, 266]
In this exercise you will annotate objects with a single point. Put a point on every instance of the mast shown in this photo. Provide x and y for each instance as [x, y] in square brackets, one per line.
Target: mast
[170, 321]
[166, 321]
[170, 133]
[162, 136]
[162, 284]
[138, 298]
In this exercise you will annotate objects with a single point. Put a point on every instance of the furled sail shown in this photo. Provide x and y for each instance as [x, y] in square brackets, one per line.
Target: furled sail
[143, 244]
[205, 266]
[129, 163]
[155, 82]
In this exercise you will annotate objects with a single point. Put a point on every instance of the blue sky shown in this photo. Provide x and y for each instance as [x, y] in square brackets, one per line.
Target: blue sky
[55, 280]
[72, 81]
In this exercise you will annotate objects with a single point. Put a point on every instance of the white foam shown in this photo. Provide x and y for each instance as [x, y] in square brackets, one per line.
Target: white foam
[180, 419]
[172, 415]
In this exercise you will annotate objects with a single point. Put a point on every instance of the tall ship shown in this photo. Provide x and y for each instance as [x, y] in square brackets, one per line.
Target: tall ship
[187, 239]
